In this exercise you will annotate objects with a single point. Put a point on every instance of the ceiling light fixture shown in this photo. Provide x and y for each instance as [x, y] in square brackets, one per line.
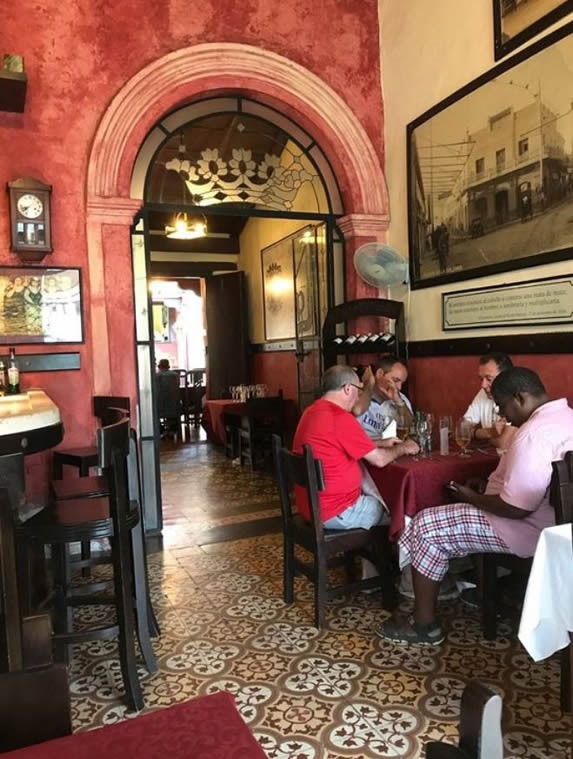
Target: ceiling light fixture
[186, 229]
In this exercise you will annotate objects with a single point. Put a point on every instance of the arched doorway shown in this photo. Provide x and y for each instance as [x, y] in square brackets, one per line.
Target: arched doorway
[113, 200]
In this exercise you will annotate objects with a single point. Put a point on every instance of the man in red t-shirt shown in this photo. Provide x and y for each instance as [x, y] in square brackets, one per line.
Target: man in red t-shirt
[337, 439]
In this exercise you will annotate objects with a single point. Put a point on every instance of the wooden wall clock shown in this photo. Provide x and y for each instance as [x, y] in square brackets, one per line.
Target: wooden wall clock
[30, 218]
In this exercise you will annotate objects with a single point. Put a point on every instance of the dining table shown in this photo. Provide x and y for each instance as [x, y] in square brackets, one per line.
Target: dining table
[412, 483]
[213, 419]
[547, 615]
[207, 726]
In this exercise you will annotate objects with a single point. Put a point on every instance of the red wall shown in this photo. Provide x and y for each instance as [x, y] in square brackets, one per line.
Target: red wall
[447, 385]
[77, 57]
[277, 371]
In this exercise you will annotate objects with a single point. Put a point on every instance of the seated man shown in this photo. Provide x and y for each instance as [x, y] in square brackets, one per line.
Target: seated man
[482, 410]
[382, 398]
[507, 518]
[168, 397]
[337, 439]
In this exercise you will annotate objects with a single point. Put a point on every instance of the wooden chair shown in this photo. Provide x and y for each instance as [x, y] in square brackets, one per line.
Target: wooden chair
[114, 518]
[561, 498]
[86, 457]
[264, 417]
[480, 727]
[169, 406]
[325, 546]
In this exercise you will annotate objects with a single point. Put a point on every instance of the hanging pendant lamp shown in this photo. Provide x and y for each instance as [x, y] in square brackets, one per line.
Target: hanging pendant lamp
[184, 228]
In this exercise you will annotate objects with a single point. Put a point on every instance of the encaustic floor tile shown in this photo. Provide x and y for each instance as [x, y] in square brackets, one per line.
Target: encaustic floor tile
[319, 694]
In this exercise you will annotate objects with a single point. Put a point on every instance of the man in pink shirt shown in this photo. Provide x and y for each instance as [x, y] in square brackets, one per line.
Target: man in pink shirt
[338, 440]
[507, 518]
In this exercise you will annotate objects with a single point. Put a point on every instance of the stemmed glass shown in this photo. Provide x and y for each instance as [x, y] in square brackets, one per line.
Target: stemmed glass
[463, 433]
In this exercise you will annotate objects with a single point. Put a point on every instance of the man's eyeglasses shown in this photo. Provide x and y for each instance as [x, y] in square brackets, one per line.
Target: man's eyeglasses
[358, 387]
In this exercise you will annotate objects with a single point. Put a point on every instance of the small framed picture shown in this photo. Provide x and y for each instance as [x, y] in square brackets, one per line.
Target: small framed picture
[40, 305]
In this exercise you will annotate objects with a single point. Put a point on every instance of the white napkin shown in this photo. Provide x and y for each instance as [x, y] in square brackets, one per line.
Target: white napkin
[390, 430]
[369, 487]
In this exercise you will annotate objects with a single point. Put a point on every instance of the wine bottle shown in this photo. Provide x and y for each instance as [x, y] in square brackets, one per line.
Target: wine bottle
[372, 338]
[350, 339]
[362, 338]
[13, 374]
[3, 379]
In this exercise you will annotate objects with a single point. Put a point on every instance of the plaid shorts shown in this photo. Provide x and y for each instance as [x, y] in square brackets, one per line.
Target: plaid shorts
[440, 533]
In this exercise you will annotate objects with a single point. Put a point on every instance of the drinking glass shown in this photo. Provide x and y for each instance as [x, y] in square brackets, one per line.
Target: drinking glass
[463, 433]
[402, 423]
[425, 426]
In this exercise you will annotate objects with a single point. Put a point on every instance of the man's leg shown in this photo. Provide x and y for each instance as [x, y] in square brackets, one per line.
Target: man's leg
[429, 541]
[366, 512]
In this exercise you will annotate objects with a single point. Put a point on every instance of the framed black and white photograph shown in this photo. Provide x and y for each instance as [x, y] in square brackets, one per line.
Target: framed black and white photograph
[40, 305]
[516, 21]
[490, 170]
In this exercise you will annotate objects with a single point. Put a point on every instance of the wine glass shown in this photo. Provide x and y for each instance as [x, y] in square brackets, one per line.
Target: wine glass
[463, 433]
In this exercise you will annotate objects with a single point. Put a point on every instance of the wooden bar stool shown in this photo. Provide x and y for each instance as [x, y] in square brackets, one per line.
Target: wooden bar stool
[115, 518]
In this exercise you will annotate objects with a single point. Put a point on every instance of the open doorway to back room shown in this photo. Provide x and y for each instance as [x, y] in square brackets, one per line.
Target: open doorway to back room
[229, 186]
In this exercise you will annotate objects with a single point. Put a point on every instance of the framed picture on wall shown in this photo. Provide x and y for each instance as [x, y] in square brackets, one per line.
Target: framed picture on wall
[516, 21]
[40, 305]
[490, 170]
[278, 290]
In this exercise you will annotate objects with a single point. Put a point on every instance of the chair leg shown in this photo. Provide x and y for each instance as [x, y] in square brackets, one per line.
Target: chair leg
[350, 566]
[63, 612]
[566, 656]
[288, 571]
[125, 618]
[489, 601]
[86, 556]
[142, 602]
[320, 591]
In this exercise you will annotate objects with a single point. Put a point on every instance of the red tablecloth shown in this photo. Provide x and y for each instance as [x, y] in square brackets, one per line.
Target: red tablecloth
[203, 727]
[408, 485]
[213, 417]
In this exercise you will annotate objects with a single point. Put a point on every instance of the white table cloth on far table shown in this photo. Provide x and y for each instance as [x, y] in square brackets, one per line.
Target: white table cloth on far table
[547, 617]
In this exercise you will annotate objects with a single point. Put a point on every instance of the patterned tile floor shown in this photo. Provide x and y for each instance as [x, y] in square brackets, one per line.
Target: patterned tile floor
[337, 693]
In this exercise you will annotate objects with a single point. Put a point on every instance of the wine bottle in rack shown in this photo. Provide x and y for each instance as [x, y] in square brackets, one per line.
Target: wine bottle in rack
[361, 339]
[351, 339]
[373, 337]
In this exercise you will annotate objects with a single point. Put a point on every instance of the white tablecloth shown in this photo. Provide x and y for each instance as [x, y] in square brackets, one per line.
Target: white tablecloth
[547, 616]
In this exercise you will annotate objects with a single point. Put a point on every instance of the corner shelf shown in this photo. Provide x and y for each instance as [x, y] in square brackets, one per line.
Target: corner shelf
[12, 91]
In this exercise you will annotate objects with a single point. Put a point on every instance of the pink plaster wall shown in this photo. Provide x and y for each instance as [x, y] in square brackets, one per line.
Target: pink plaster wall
[79, 55]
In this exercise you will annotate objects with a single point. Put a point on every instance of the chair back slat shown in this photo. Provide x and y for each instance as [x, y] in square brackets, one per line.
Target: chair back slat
[561, 489]
[303, 471]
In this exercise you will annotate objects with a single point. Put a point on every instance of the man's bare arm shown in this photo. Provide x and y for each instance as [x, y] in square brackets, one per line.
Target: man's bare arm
[491, 504]
[382, 456]
[365, 396]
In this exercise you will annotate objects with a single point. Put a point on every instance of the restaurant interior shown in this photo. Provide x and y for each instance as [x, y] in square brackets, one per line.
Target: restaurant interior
[203, 213]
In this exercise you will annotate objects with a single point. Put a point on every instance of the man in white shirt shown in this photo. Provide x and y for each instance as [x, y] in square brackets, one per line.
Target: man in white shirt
[482, 411]
[382, 398]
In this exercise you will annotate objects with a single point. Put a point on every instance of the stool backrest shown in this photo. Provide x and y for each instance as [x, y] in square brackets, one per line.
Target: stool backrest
[104, 407]
[561, 489]
[298, 471]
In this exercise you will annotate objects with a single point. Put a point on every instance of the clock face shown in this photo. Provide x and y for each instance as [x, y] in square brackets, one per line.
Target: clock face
[30, 206]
